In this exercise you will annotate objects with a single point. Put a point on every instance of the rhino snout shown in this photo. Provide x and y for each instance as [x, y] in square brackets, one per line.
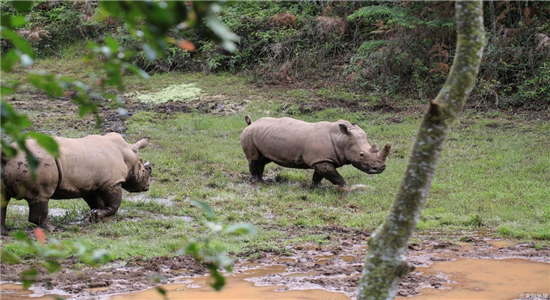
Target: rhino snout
[376, 170]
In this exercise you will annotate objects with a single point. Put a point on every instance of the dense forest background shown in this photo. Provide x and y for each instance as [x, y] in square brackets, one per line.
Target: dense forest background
[395, 52]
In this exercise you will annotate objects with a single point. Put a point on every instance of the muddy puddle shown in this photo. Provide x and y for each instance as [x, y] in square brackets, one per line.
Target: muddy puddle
[483, 269]
[238, 286]
[472, 278]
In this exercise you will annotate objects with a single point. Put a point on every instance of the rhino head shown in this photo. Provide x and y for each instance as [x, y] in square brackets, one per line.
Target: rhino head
[360, 153]
[138, 176]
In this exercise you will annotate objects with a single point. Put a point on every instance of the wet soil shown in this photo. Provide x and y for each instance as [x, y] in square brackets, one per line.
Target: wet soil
[335, 267]
[114, 121]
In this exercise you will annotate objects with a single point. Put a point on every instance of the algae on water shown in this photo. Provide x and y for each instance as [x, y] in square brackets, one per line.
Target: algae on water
[177, 92]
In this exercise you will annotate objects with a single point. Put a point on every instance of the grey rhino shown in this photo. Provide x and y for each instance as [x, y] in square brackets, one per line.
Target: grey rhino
[322, 146]
[95, 168]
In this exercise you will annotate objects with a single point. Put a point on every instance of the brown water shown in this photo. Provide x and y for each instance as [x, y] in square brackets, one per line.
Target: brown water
[498, 279]
[10, 291]
[494, 279]
[236, 288]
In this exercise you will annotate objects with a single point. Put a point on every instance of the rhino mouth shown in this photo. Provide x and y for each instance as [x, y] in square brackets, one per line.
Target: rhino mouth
[375, 170]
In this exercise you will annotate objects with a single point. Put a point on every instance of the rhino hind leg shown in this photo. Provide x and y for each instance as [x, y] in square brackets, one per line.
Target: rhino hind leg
[3, 211]
[111, 198]
[38, 213]
[5, 199]
[328, 171]
[257, 168]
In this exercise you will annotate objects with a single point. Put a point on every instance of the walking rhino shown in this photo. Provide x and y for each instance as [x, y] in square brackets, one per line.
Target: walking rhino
[95, 168]
[322, 146]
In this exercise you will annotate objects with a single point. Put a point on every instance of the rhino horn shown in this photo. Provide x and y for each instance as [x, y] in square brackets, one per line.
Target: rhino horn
[141, 144]
[147, 164]
[385, 152]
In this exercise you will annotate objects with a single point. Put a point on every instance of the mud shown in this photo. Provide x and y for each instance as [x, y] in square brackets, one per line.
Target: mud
[329, 272]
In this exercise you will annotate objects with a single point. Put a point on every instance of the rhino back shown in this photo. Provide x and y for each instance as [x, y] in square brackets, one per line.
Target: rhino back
[294, 143]
[91, 163]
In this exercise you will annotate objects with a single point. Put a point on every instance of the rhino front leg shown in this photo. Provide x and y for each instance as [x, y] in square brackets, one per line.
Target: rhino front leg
[112, 197]
[94, 201]
[328, 171]
[38, 213]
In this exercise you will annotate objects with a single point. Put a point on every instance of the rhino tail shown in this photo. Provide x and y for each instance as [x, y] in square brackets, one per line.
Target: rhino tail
[248, 120]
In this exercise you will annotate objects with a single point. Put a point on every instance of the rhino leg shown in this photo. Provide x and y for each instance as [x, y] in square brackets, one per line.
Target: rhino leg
[94, 201]
[328, 171]
[257, 168]
[3, 211]
[5, 199]
[38, 213]
[111, 198]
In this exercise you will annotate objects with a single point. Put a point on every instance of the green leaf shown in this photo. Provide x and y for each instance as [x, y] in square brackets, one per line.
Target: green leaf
[52, 266]
[46, 142]
[18, 42]
[137, 71]
[28, 277]
[209, 212]
[10, 21]
[9, 60]
[101, 256]
[9, 258]
[240, 229]
[31, 158]
[161, 291]
[192, 249]
[8, 150]
[22, 6]
[112, 44]
[219, 281]
[21, 236]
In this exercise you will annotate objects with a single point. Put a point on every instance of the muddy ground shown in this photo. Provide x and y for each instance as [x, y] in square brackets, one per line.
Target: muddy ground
[334, 268]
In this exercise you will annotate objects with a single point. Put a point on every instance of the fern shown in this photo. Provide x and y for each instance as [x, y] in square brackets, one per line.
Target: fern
[371, 45]
[395, 15]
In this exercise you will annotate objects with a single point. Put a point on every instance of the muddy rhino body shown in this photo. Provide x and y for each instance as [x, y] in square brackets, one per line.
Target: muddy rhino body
[94, 168]
[322, 146]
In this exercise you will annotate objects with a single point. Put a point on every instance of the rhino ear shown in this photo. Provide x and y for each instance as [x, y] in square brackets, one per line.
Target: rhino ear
[345, 130]
[141, 144]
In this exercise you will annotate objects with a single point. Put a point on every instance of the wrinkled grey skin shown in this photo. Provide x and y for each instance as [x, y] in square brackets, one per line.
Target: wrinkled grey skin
[322, 146]
[95, 168]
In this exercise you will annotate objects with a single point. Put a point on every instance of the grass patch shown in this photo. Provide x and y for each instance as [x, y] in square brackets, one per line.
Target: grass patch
[493, 174]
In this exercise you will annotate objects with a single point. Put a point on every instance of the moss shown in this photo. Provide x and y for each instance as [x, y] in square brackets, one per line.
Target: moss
[176, 92]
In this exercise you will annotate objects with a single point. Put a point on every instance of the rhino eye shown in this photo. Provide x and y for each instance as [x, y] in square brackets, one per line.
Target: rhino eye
[361, 154]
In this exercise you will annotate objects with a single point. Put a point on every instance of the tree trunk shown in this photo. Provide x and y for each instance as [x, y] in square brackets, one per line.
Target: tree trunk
[386, 263]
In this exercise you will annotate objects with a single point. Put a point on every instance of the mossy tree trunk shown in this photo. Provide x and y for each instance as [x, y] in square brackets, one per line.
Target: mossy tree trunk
[386, 263]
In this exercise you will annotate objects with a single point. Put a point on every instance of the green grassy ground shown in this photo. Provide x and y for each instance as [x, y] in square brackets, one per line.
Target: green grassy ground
[493, 176]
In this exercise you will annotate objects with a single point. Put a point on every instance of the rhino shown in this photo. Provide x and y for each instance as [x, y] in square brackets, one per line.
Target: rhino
[322, 146]
[95, 168]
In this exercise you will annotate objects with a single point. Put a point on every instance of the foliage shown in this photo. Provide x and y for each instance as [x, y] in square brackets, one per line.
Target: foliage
[47, 253]
[201, 250]
[148, 20]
